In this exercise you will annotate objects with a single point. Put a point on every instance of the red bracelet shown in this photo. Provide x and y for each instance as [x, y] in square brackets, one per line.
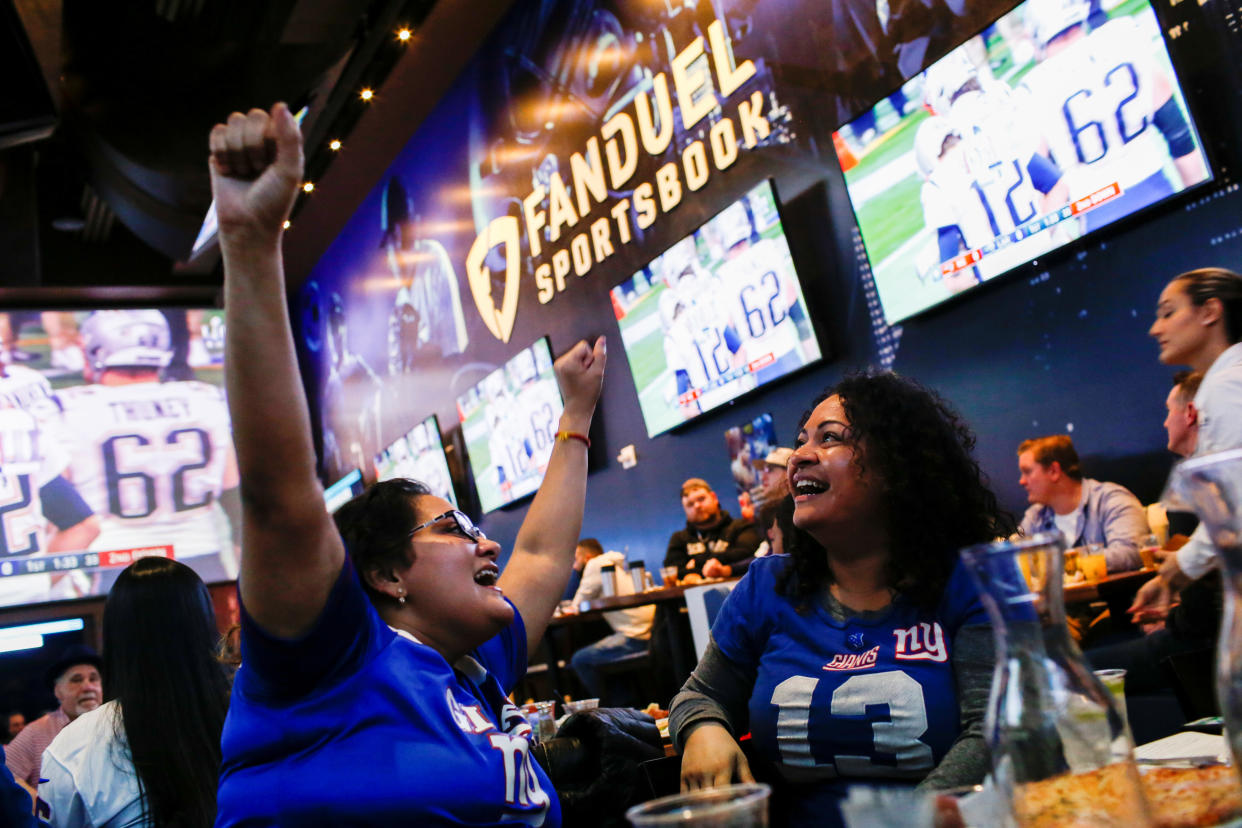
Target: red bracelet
[565, 436]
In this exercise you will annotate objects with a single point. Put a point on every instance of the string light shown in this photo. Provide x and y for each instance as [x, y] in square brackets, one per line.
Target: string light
[308, 187]
[403, 34]
[335, 145]
[366, 94]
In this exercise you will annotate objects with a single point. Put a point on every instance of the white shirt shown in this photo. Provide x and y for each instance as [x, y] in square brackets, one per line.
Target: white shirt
[632, 623]
[90, 776]
[1219, 402]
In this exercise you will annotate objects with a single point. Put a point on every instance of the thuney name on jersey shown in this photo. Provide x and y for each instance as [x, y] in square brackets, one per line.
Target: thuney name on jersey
[167, 408]
[922, 642]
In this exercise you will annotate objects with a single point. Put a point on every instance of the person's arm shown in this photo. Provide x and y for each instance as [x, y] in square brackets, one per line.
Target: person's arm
[591, 585]
[966, 762]
[292, 554]
[1124, 523]
[676, 554]
[543, 553]
[705, 718]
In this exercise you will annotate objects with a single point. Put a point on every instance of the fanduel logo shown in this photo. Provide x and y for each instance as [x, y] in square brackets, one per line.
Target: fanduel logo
[854, 661]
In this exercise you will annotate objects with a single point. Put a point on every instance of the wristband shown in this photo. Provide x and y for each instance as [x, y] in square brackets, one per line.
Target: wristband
[566, 436]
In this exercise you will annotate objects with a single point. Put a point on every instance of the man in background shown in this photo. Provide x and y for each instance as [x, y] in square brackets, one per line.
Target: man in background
[16, 723]
[713, 544]
[74, 679]
[631, 628]
[1084, 510]
[1193, 624]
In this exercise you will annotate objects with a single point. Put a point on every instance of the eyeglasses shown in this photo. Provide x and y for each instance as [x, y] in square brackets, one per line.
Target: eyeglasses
[464, 525]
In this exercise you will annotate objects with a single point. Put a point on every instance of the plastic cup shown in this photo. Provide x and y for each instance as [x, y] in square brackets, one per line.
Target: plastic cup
[1092, 563]
[669, 574]
[542, 718]
[1115, 681]
[731, 806]
[580, 705]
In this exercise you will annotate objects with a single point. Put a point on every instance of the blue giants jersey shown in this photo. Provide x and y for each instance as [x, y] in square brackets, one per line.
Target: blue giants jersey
[356, 725]
[843, 702]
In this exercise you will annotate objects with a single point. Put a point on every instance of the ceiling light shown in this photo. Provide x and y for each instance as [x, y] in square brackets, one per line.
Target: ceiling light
[287, 224]
[308, 187]
[366, 94]
[403, 34]
[335, 145]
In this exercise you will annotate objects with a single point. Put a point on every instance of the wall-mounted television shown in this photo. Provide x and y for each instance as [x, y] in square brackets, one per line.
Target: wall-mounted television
[1059, 119]
[115, 443]
[342, 491]
[419, 455]
[718, 314]
[508, 423]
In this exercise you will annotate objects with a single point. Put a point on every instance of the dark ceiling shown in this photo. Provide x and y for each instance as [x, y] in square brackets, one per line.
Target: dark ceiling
[102, 135]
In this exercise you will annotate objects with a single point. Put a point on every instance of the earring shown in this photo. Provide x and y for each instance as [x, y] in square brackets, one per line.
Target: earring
[401, 597]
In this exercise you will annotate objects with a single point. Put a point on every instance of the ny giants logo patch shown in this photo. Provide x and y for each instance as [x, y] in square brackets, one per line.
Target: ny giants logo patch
[922, 642]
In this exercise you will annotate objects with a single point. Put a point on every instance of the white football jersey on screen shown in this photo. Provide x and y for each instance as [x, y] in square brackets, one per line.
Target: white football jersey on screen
[1095, 102]
[151, 460]
[763, 290]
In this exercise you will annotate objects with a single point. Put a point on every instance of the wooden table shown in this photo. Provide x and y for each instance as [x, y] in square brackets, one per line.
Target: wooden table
[1113, 586]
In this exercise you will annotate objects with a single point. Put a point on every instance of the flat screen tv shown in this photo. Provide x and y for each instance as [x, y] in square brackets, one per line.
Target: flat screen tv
[419, 455]
[343, 491]
[115, 443]
[1059, 119]
[718, 314]
[508, 423]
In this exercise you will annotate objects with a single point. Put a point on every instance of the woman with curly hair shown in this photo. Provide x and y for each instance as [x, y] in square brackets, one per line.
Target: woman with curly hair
[864, 654]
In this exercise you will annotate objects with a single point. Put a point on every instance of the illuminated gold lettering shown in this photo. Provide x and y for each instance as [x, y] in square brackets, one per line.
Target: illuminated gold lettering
[535, 219]
[655, 142]
[620, 171]
[753, 122]
[543, 280]
[693, 81]
[560, 208]
[621, 214]
[728, 73]
[560, 268]
[723, 139]
[581, 248]
[601, 236]
[644, 207]
[669, 185]
[694, 159]
[588, 176]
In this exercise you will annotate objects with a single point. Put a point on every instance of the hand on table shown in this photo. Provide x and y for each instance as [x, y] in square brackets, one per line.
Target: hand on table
[715, 569]
[710, 758]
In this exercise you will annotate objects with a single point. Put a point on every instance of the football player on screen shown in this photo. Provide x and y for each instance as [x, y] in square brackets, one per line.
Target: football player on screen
[154, 459]
[41, 513]
[1106, 105]
[986, 178]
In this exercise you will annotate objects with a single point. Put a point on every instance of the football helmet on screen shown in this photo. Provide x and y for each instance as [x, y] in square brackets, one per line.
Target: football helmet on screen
[929, 143]
[126, 339]
[1048, 18]
[946, 78]
[734, 225]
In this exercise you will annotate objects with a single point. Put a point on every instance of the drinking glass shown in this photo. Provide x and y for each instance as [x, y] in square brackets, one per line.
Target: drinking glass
[730, 806]
[1048, 715]
[1211, 486]
[669, 574]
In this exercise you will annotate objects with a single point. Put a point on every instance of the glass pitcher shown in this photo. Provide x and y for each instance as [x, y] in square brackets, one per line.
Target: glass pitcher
[1056, 736]
[1211, 486]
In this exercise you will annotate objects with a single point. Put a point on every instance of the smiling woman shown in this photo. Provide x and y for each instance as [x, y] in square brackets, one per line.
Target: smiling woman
[864, 653]
[373, 685]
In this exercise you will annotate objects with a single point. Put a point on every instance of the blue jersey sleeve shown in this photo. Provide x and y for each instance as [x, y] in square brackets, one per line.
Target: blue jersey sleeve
[504, 656]
[347, 635]
[1044, 174]
[741, 628]
[950, 241]
[62, 505]
[961, 606]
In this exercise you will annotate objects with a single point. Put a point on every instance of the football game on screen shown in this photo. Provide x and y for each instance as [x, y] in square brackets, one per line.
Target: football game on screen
[115, 443]
[1058, 119]
[419, 455]
[508, 423]
[716, 315]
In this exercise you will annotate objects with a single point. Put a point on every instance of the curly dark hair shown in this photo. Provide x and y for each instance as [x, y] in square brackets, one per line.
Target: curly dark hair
[375, 527]
[936, 498]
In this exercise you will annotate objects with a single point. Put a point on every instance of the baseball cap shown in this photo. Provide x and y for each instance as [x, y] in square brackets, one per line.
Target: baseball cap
[695, 483]
[779, 456]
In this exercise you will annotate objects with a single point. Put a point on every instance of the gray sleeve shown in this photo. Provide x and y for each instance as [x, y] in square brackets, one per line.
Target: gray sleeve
[966, 762]
[1124, 524]
[718, 690]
